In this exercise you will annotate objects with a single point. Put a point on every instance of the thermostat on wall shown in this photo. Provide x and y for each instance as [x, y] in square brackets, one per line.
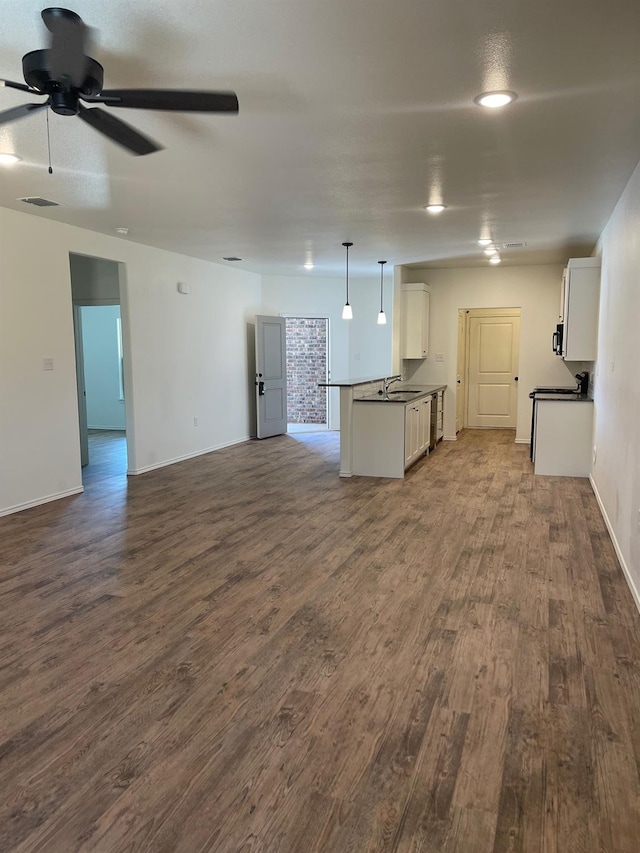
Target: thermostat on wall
[183, 287]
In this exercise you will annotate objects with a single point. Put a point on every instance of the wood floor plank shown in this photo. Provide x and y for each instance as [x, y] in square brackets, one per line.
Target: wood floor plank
[304, 663]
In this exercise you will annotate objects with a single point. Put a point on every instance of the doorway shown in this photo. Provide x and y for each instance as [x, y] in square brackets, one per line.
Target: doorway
[307, 365]
[489, 383]
[100, 376]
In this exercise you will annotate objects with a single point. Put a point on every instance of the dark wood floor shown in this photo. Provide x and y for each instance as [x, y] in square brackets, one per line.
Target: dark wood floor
[243, 652]
[107, 456]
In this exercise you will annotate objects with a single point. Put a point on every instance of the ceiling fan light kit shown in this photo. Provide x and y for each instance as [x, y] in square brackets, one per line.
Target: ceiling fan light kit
[66, 76]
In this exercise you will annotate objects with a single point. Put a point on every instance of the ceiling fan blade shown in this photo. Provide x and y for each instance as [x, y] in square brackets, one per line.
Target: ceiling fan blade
[67, 58]
[118, 131]
[171, 99]
[20, 112]
[10, 84]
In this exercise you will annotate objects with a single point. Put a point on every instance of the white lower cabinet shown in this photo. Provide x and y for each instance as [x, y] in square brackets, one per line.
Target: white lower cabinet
[389, 437]
[563, 438]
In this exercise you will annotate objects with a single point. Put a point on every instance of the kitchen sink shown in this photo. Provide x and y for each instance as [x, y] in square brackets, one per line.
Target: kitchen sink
[407, 391]
[401, 396]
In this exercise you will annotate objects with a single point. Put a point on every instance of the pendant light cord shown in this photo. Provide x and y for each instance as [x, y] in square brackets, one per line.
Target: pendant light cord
[382, 263]
[49, 144]
[347, 246]
[347, 275]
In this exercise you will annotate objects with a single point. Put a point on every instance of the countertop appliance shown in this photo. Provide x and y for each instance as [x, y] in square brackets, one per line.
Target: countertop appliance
[580, 389]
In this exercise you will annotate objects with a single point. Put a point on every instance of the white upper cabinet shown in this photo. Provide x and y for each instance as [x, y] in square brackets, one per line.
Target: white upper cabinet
[579, 311]
[415, 321]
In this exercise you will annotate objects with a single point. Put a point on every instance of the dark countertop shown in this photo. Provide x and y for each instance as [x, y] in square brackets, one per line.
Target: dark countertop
[563, 398]
[401, 393]
[349, 383]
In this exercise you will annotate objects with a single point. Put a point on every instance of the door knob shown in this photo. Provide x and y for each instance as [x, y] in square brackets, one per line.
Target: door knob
[458, 381]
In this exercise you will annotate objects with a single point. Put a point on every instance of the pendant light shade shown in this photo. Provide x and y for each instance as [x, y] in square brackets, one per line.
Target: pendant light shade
[382, 317]
[347, 313]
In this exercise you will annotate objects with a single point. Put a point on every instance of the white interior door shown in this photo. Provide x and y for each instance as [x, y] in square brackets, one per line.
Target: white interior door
[461, 380]
[494, 347]
[271, 376]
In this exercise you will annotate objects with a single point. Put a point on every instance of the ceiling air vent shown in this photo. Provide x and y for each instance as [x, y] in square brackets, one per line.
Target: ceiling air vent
[39, 202]
[514, 245]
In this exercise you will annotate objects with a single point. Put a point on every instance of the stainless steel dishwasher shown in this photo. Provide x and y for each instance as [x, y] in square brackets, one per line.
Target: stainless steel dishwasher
[433, 435]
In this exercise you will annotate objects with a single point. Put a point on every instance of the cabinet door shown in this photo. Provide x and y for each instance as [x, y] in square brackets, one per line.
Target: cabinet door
[410, 434]
[424, 429]
[440, 416]
[415, 321]
[581, 304]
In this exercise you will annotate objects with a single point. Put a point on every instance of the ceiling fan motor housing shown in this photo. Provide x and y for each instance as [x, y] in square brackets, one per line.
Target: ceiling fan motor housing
[64, 97]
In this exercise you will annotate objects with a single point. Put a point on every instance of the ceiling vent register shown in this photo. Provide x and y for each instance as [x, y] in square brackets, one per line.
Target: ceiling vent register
[39, 202]
[516, 245]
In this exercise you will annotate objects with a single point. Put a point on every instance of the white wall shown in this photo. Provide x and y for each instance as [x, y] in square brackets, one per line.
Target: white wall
[356, 347]
[105, 409]
[533, 289]
[188, 355]
[616, 472]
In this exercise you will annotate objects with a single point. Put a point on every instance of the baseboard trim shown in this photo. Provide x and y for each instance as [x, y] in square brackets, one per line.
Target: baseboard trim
[48, 499]
[625, 569]
[133, 472]
[523, 441]
[450, 437]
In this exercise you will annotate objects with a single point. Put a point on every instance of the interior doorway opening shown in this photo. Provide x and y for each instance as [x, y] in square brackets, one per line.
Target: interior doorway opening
[307, 365]
[100, 375]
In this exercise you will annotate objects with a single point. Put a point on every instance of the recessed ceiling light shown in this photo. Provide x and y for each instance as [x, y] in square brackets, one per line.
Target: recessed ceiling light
[308, 266]
[493, 100]
[484, 241]
[435, 208]
[495, 260]
[491, 250]
[9, 159]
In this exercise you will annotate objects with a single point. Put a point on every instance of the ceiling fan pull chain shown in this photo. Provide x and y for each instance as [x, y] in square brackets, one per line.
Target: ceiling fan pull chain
[49, 144]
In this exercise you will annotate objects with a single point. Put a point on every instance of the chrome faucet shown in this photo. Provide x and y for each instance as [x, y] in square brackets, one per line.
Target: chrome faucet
[389, 382]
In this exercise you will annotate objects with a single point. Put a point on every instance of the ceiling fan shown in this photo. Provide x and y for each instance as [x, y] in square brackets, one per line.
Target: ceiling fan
[67, 76]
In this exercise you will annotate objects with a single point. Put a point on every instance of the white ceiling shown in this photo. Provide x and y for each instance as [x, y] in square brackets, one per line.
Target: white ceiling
[353, 115]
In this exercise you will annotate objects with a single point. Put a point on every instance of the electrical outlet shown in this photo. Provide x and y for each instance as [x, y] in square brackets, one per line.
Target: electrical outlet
[439, 356]
[47, 364]
[195, 422]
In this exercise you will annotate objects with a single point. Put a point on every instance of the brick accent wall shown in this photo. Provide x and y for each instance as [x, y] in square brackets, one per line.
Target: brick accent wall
[306, 366]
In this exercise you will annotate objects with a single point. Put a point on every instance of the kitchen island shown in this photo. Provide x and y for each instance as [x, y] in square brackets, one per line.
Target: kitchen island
[393, 429]
[385, 424]
[349, 389]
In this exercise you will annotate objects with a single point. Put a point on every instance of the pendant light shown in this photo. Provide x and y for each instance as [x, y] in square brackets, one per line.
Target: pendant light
[347, 313]
[382, 317]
